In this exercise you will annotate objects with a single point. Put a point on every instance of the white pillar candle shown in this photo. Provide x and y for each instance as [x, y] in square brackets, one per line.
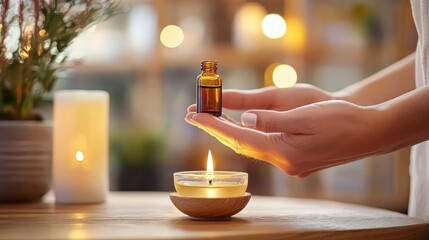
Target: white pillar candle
[80, 152]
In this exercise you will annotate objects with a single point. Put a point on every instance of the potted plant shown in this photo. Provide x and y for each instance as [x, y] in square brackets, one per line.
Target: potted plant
[139, 154]
[34, 36]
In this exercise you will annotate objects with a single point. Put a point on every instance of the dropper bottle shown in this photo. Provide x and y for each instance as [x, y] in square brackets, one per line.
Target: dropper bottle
[209, 89]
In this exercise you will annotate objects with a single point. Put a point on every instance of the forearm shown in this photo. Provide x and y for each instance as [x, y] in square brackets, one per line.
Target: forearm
[405, 119]
[382, 86]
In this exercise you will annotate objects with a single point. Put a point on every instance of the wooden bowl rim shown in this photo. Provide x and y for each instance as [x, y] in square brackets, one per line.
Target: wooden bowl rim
[176, 195]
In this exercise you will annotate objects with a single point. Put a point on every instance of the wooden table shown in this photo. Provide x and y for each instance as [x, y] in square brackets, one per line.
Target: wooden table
[153, 216]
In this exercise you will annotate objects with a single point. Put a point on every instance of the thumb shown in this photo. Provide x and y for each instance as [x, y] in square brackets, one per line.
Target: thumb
[274, 121]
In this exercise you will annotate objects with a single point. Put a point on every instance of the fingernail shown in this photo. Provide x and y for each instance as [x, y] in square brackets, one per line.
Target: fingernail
[248, 119]
[190, 121]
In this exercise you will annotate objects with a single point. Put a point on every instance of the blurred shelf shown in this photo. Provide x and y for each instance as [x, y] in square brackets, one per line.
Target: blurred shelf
[227, 56]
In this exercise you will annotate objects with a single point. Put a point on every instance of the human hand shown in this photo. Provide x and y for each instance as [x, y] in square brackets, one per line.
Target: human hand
[299, 141]
[274, 98]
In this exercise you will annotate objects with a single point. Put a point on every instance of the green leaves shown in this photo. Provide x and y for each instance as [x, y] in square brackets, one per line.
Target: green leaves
[137, 147]
[26, 107]
[37, 58]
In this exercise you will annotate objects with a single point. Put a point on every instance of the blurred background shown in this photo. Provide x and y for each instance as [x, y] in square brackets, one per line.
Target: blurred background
[148, 59]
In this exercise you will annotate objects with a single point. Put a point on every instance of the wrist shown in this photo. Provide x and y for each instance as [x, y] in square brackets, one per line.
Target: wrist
[389, 133]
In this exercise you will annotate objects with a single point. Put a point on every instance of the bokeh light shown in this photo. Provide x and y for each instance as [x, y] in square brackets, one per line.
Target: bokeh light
[79, 156]
[284, 76]
[247, 35]
[273, 26]
[268, 74]
[295, 39]
[172, 36]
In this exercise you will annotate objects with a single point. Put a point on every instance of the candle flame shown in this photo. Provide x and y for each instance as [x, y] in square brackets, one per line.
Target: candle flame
[79, 156]
[209, 172]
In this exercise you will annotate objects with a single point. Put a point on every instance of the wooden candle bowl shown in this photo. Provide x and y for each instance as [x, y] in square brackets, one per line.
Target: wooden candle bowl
[210, 208]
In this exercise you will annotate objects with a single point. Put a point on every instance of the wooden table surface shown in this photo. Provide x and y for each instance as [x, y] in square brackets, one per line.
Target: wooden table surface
[152, 216]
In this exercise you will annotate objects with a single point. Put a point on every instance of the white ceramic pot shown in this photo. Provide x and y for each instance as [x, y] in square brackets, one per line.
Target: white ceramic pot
[25, 160]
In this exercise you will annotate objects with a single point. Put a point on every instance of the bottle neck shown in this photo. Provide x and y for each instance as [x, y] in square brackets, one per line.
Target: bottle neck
[209, 70]
[209, 67]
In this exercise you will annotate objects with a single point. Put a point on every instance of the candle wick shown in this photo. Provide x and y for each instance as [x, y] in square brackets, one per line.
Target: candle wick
[210, 182]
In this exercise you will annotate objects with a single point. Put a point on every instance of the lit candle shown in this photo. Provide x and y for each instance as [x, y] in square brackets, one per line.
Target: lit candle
[210, 183]
[80, 151]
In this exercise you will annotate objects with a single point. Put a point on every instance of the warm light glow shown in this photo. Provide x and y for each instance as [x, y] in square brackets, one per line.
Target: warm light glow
[284, 76]
[295, 39]
[268, 74]
[27, 47]
[28, 30]
[42, 33]
[209, 172]
[172, 36]
[78, 231]
[79, 216]
[23, 54]
[247, 34]
[249, 18]
[79, 156]
[273, 26]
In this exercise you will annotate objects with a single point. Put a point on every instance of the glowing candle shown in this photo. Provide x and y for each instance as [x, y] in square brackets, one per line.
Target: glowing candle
[80, 152]
[210, 183]
[209, 171]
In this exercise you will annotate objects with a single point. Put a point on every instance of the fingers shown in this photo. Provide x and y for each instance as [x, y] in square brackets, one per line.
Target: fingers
[242, 140]
[308, 173]
[293, 121]
[264, 98]
[226, 117]
[192, 108]
[189, 119]
[268, 120]
[245, 141]
[270, 146]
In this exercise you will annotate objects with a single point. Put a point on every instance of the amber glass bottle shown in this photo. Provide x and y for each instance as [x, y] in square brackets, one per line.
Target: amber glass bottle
[209, 89]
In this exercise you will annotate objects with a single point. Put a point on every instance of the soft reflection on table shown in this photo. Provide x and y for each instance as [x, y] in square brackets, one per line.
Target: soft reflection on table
[152, 216]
